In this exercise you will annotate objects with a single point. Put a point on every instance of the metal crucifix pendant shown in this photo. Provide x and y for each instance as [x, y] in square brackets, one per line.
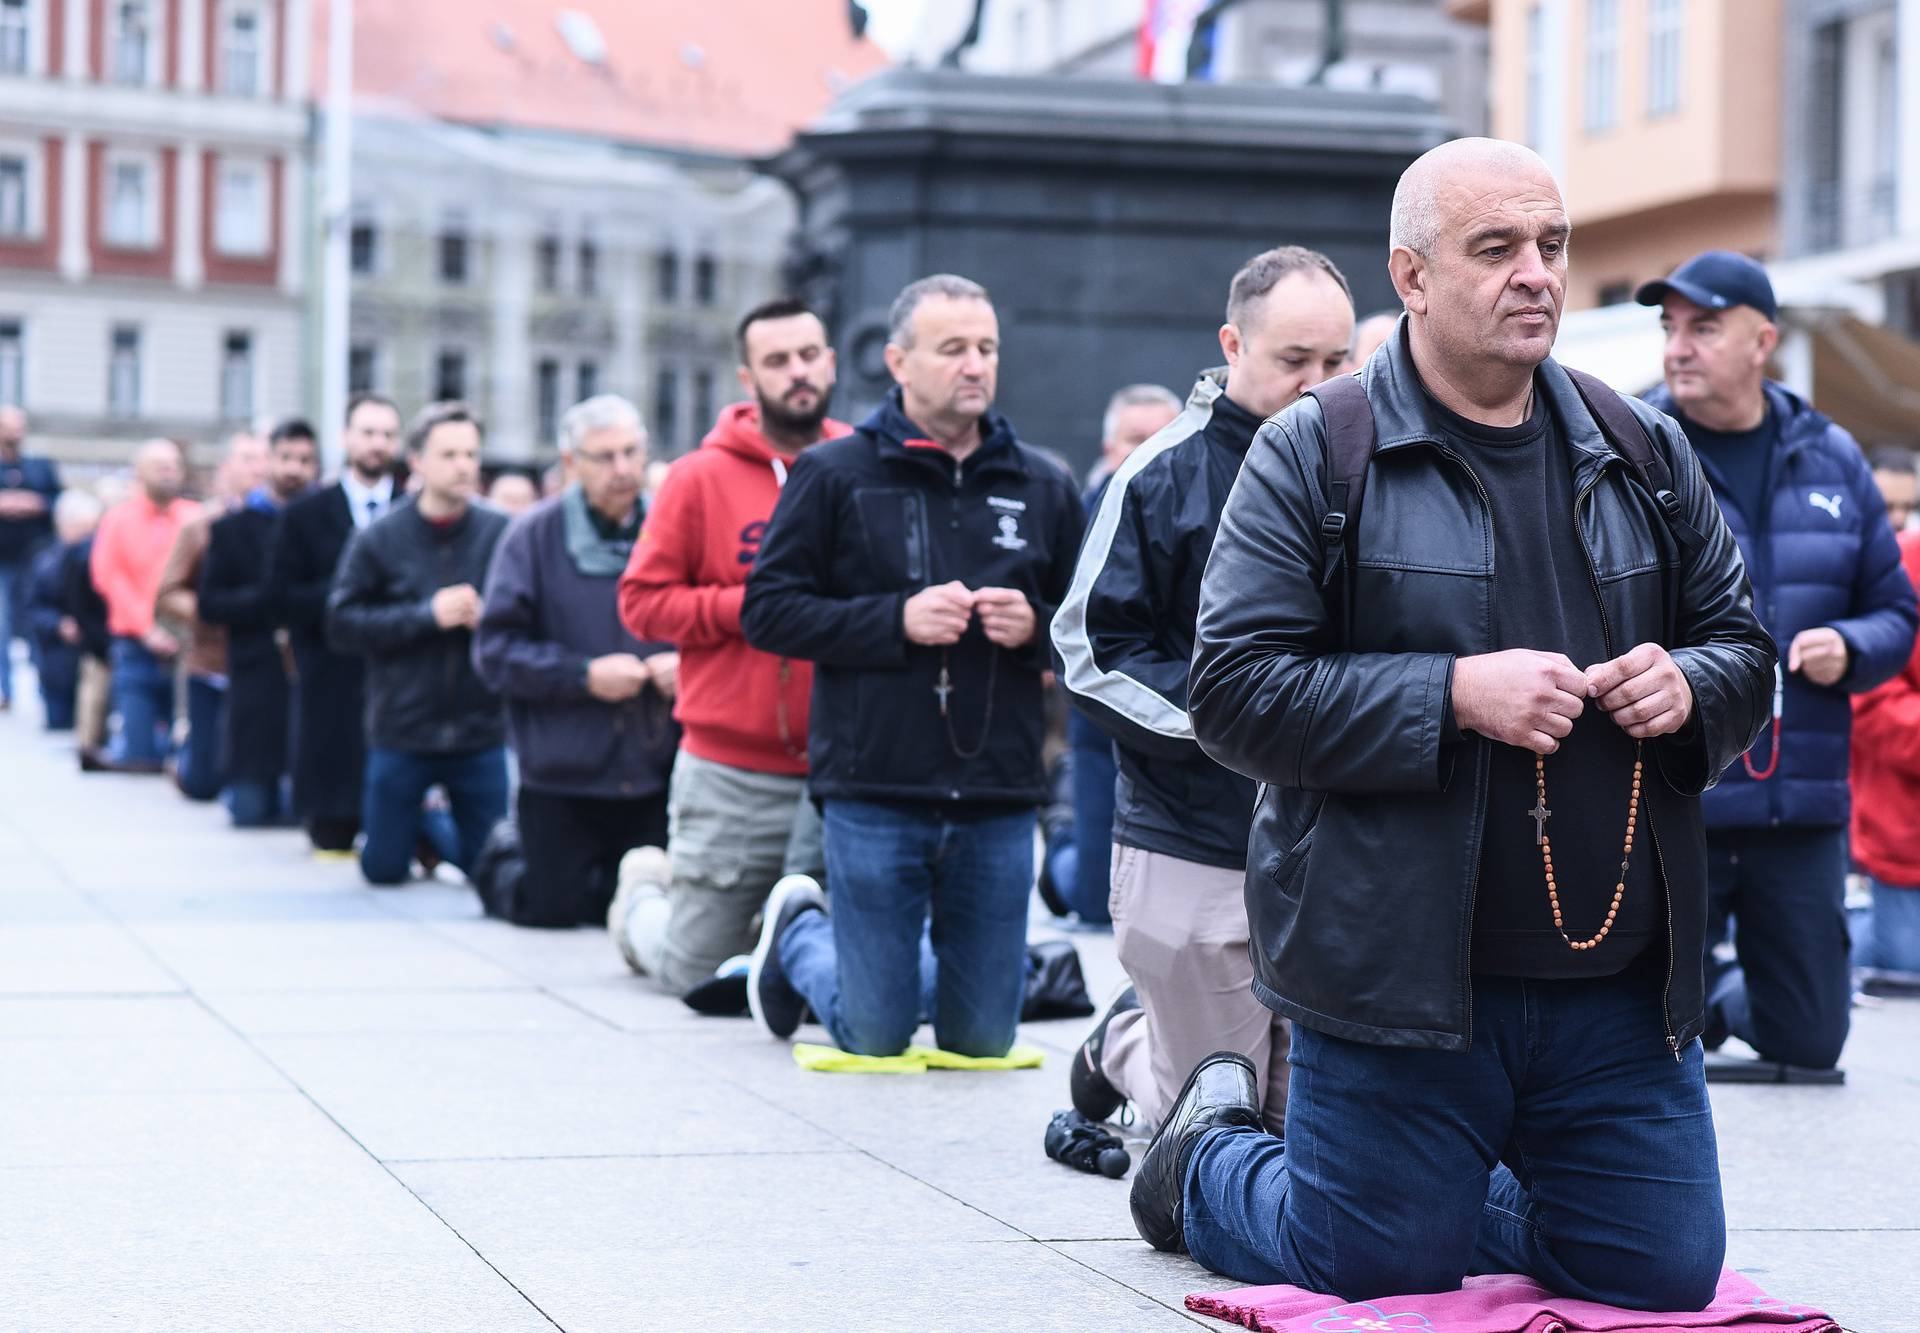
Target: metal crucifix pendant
[944, 688]
[1539, 815]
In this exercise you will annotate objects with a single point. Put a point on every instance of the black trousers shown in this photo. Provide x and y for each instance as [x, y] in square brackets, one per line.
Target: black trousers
[573, 846]
[1790, 993]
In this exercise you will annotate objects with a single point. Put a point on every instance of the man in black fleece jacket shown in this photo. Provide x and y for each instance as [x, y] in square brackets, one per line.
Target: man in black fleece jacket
[915, 563]
[407, 599]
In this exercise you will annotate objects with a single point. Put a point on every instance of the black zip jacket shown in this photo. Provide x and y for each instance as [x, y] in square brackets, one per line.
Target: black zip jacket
[423, 695]
[1365, 856]
[234, 591]
[1125, 631]
[863, 523]
[329, 753]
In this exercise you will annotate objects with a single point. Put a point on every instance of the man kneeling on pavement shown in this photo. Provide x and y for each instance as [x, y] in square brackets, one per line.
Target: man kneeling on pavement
[1477, 880]
[915, 563]
[1125, 639]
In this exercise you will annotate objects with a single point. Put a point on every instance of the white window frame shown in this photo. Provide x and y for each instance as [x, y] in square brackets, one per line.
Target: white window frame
[459, 223]
[1666, 55]
[156, 39]
[264, 47]
[138, 407]
[377, 362]
[148, 161]
[1602, 74]
[13, 367]
[228, 239]
[550, 236]
[366, 214]
[32, 153]
[468, 369]
[33, 14]
[545, 431]
[248, 409]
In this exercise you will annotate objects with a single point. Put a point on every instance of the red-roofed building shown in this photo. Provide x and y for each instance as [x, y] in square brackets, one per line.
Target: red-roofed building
[153, 174]
[735, 77]
[556, 200]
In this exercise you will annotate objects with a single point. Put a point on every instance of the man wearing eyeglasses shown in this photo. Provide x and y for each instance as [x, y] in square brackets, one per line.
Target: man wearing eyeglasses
[589, 707]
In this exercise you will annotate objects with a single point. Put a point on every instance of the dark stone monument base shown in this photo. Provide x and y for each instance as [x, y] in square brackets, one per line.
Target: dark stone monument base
[1106, 217]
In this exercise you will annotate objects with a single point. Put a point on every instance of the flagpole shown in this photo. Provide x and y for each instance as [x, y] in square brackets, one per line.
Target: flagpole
[337, 230]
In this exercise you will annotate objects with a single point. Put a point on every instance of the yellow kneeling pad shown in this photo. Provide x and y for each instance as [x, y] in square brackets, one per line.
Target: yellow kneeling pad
[914, 1060]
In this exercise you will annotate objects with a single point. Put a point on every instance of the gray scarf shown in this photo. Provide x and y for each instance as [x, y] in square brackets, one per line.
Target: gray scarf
[596, 557]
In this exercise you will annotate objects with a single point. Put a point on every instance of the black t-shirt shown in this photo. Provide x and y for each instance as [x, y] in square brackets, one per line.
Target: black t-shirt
[1741, 459]
[1545, 599]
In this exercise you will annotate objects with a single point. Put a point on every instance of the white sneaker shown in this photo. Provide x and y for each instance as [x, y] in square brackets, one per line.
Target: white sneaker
[644, 872]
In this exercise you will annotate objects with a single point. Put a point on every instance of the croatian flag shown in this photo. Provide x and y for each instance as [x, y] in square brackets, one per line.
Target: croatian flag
[1166, 30]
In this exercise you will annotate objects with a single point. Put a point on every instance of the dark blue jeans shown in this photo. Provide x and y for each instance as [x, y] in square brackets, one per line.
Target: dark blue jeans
[1887, 938]
[1790, 995]
[1566, 1144]
[13, 618]
[1094, 773]
[397, 782]
[198, 769]
[252, 803]
[143, 697]
[864, 968]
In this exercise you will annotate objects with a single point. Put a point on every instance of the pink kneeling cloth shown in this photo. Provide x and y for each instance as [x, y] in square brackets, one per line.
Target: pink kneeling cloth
[1501, 1303]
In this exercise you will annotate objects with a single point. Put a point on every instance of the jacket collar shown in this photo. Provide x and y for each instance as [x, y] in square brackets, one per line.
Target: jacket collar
[900, 439]
[445, 532]
[1801, 424]
[1403, 414]
[1229, 425]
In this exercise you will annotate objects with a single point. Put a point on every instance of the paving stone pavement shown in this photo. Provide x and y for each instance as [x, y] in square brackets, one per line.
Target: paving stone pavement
[244, 1091]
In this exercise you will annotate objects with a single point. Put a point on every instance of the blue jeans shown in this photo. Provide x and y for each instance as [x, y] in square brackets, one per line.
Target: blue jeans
[864, 969]
[13, 618]
[1888, 937]
[199, 771]
[1094, 773]
[143, 697]
[397, 782]
[1790, 995]
[1567, 1144]
[252, 803]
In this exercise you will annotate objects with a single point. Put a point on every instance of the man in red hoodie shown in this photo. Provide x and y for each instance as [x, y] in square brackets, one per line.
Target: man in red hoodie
[737, 811]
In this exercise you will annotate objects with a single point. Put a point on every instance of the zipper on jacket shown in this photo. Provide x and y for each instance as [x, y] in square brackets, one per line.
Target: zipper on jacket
[916, 538]
[1480, 772]
[1606, 637]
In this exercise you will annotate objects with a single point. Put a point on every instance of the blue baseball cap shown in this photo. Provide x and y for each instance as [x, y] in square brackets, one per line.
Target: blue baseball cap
[1717, 280]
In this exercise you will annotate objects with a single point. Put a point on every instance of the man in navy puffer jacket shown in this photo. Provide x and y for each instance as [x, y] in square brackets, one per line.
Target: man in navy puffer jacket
[1828, 584]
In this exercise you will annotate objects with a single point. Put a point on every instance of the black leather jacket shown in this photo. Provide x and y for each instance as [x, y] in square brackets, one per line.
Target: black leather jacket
[1364, 860]
[423, 695]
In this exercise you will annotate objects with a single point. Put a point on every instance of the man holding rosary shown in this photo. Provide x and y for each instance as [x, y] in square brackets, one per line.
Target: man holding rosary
[916, 563]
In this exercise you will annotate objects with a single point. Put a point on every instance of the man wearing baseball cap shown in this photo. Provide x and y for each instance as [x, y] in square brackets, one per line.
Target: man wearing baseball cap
[1828, 584]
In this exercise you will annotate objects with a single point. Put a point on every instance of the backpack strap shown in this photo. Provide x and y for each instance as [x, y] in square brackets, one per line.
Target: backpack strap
[1349, 431]
[1625, 433]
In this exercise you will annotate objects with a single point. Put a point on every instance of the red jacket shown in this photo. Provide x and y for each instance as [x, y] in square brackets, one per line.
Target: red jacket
[129, 554]
[684, 585]
[1886, 764]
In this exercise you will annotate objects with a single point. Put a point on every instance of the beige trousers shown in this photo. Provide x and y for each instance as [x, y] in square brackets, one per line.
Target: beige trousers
[1181, 931]
[91, 703]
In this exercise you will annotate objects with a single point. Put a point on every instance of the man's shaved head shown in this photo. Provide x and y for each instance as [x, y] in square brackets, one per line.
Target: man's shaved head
[1420, 198]
[1479, 259]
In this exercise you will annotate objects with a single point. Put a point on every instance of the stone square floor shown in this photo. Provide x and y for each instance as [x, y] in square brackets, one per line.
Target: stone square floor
[240, 1090]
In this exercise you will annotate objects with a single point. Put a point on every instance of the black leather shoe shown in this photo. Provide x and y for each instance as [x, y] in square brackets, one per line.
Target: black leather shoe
[1221, 1091]
[1093, 1096]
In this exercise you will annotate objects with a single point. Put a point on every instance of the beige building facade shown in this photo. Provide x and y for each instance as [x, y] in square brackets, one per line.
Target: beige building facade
[1662, 119]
